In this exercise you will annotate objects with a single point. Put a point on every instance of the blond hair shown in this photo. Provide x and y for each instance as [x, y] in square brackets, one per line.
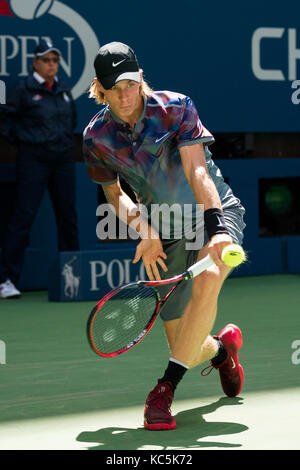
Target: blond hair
[99, 97]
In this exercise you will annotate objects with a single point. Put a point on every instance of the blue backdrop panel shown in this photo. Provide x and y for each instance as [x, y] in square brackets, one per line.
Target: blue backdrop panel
[267, 255]
[293, 255]
[88, 275]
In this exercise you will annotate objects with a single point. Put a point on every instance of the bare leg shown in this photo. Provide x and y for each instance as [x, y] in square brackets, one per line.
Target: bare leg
[207, 351]
[188, 337]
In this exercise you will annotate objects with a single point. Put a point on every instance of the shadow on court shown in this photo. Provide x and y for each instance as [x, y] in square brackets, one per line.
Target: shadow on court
[191, 428]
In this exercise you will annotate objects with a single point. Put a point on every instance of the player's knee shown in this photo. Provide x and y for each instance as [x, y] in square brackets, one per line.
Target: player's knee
[207, 284]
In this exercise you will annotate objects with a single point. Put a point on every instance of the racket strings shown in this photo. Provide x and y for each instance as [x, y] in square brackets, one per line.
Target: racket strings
[123, 318]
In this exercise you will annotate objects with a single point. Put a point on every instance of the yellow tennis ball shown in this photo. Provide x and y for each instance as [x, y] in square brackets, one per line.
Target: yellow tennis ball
[233, 255]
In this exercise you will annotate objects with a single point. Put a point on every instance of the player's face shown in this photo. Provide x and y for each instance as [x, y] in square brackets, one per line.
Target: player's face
[124, 99]
[47, 65]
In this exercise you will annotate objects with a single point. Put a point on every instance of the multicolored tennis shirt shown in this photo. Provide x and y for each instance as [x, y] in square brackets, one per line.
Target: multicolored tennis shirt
[148, 157]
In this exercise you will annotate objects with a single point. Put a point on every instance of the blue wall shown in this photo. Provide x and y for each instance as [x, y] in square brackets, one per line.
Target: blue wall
[266, 254]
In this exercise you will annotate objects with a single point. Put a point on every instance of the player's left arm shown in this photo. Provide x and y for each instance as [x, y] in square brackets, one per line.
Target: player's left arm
[205, 191]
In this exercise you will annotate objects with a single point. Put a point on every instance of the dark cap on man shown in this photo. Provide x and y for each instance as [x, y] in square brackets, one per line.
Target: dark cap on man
[44, 47]
[114, 62]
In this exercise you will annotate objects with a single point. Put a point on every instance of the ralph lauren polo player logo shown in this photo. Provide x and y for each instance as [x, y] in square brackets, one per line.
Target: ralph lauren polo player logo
[71, 282]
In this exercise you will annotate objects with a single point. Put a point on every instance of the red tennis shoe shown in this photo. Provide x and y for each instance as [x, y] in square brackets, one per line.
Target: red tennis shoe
[230, 370]
[157, 414]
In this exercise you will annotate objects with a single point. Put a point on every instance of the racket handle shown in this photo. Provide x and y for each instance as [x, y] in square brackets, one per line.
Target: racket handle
[233, 255]
[200, 266]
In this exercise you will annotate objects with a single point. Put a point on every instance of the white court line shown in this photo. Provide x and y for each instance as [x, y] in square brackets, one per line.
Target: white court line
[272, 419]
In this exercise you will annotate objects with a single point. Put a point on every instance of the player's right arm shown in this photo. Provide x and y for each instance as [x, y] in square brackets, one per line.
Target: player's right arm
[123, 205]
[150, 248]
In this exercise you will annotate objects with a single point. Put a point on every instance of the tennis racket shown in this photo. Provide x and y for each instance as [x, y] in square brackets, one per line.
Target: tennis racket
[123, 317]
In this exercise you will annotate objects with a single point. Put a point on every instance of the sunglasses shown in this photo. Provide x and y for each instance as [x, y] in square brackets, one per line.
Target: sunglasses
[47, 60]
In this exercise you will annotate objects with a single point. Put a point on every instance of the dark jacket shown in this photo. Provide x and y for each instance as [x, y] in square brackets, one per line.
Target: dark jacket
[35, 115]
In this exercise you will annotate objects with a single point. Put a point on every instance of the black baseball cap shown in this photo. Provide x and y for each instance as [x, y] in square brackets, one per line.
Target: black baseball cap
[114, 62]
[44, 47]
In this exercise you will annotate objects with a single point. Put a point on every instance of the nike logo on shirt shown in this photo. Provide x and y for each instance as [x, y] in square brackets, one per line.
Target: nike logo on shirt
[162, 138]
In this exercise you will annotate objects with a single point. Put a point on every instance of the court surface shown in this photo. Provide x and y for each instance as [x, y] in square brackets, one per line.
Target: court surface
[55, 393]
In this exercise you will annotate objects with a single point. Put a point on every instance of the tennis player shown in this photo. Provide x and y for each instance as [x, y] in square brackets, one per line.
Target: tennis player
[156, 142]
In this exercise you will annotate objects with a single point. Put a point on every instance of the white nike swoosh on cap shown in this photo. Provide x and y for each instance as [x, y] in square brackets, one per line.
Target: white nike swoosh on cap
[118, 63]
